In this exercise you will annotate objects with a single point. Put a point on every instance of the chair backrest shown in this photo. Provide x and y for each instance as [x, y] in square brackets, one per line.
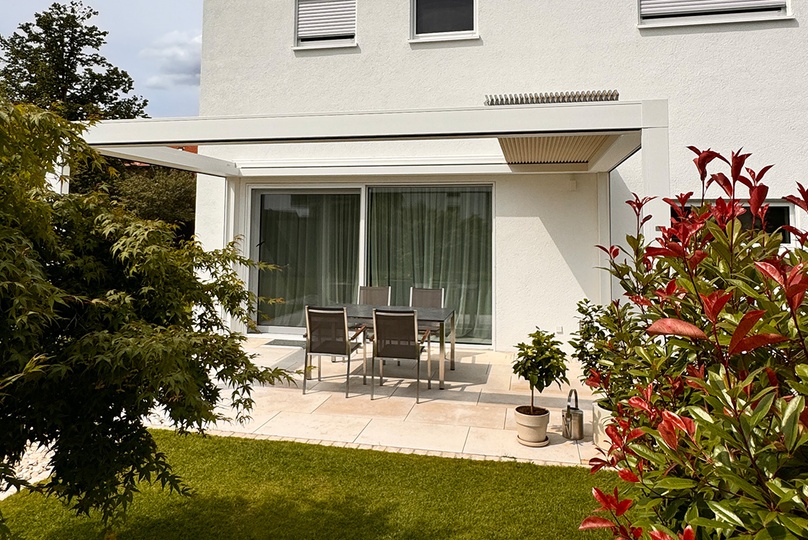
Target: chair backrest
[327, 331]
[374, 296]
[396, 334]
[429, 298]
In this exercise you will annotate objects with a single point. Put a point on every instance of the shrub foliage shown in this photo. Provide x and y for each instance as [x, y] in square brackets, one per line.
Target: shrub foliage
[104, 318]
[705, 368]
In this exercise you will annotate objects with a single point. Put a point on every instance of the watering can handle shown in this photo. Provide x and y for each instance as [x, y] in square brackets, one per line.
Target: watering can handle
[569, 396]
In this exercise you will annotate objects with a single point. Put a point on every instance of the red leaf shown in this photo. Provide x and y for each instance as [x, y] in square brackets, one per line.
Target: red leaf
[674, 420]
[696, 258]
[688, 534]
[595, 522]
[714, 303]
[628, 476]
[722, 180]
[623, 506]
[675, 327]
[762, 172]
[668, 434]
[770, 271]
[607, 502]
[635, 433]
[659, 535]
[760, 340]
[799, 202]
[744, 327]
[639, 403]
[597, 464]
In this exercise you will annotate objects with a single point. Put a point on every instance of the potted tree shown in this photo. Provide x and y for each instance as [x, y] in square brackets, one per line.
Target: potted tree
[541, 363]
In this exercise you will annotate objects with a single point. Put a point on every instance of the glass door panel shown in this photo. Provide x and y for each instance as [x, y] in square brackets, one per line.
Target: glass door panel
[314, 238]
[435, 237]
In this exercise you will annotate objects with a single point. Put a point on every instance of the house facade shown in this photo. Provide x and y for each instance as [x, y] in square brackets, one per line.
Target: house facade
[475, 145]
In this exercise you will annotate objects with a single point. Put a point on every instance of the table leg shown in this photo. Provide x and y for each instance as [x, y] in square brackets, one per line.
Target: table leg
[442, 356]
[454, 331]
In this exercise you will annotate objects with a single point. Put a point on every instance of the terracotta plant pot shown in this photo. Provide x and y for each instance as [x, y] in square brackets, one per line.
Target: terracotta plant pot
[531, 429]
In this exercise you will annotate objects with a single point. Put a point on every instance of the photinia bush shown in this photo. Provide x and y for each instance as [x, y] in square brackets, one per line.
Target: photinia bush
[704, 366]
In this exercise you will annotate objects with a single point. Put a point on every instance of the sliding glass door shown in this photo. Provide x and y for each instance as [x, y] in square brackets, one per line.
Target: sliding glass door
[435, 237]
[313, 236]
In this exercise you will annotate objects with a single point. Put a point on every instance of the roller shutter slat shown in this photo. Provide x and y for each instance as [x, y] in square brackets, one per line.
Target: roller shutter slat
[662, 8]
[326, 18]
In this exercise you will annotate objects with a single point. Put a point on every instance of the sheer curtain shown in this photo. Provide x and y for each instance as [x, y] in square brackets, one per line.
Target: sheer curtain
[314, 238]
[435, 237]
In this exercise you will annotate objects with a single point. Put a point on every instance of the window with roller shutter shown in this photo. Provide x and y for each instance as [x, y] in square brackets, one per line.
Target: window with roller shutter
[326, 22]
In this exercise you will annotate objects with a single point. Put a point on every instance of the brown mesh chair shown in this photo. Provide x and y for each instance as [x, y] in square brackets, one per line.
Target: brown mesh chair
[427, 298]
[421, 297]
[327, 334]
[374, 296]
[396, 338]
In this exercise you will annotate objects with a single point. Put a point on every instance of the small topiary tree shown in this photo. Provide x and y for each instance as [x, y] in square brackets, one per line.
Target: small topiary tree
[706, 370]
[541, 363]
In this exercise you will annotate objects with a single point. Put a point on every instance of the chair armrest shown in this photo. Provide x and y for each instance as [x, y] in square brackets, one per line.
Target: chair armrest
[359, 330]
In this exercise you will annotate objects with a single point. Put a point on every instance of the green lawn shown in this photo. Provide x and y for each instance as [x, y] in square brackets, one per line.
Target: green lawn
[249, 489]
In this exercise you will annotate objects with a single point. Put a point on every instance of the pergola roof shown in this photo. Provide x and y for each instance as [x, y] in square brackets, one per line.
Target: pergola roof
[585, 137]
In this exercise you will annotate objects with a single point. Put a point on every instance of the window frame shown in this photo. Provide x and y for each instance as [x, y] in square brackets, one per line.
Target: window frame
[324, 42]
[698, 19]
[791, 214]
[443, 36]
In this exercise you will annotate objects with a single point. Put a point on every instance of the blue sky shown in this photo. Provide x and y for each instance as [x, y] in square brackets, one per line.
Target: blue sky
[156, 41]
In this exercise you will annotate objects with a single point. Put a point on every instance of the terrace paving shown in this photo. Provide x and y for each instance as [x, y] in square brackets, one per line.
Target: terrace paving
[472, 418]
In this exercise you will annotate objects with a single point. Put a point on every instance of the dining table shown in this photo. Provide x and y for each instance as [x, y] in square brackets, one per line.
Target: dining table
[427, 317]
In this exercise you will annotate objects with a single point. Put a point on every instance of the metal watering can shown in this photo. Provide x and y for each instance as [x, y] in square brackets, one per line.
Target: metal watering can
[573, 419]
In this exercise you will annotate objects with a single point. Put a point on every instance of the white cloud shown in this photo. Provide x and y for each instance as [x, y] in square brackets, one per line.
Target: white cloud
[177, 58]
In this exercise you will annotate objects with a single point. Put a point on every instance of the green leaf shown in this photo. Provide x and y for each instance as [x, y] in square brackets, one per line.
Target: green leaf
[790, 422]
[671, 482]
[722, 511]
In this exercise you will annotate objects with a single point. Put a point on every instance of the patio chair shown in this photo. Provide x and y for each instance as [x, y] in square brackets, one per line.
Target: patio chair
[327, 334]
[427, 298]
[397, 338]
[374, 296]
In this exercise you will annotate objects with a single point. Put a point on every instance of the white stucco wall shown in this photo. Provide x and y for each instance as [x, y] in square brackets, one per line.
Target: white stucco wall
[727, 86]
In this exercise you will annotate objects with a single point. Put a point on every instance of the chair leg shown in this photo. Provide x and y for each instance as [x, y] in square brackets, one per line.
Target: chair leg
[319, 367]
[348, 376]
[429, 366]
[372, 370]
[418, 380]
[305, 371]
[365, 363]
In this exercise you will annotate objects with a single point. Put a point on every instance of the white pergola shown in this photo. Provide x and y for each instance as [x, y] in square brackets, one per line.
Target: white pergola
[571, 137]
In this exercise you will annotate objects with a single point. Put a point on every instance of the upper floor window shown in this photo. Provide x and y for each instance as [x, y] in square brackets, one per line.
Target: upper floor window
[326, 22]
[709, 11]
[444, 18]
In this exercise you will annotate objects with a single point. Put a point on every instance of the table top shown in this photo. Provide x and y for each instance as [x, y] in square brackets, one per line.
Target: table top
[365, 311]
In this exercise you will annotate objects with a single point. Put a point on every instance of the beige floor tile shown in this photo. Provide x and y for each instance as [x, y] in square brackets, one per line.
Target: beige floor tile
[419, 436]
[328, 427]
[383, 406]
[496, 442]
[459, 414]
[499, 379]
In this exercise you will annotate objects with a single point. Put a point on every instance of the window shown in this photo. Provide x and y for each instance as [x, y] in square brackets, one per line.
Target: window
[313, 237]
[777, 216]
[708, 11]
[414, 236]
[326, 22]
[435, 237]
[455, 17]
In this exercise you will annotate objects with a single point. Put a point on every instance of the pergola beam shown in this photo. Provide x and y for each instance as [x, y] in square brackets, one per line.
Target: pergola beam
[174, 158]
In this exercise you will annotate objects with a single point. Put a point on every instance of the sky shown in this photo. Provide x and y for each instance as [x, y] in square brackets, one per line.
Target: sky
[157, 42]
